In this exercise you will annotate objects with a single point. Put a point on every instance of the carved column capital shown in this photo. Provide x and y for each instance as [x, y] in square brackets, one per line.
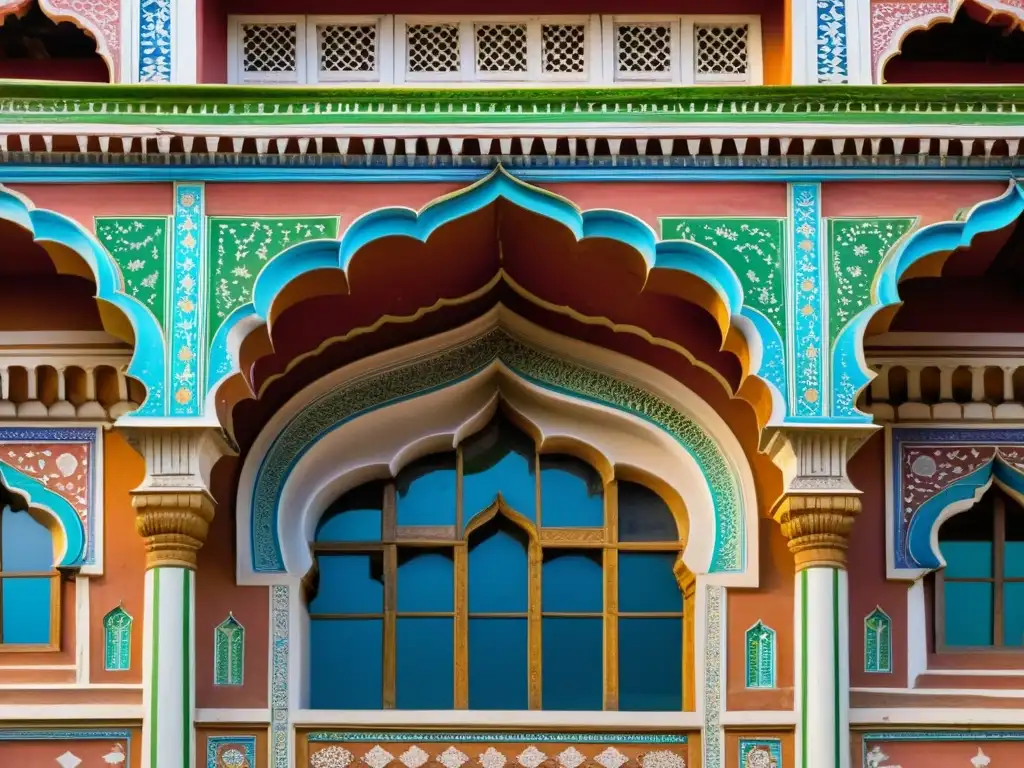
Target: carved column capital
[819, 503]
[174, 506]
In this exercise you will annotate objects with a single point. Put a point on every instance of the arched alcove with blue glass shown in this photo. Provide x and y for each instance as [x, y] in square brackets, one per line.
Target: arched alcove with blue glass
[498, 577]
[29, 580]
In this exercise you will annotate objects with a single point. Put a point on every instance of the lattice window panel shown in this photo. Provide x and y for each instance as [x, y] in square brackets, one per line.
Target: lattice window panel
[722, 52]
[564, 48]
[269, 48]
[501, 48]
[347, 48]
[643, 49]
[432, 48]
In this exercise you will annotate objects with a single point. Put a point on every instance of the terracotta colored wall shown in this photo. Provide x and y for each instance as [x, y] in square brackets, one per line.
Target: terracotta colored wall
[124, 565]
[93, 70]
[213, 27]
[868, 585]
[44, 752]
[931, 201]
[83, 202]
[948, 754]
[217, 595]
[771, 603]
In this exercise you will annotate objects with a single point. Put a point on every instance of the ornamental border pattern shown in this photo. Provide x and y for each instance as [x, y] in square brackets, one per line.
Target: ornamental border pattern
[774, 747]
[712, 736]
[352, 399]
[919, 736]
[496, 737]
[154, 54]
[831, 44]
[23, 734]
[808, 391]
[280, 724]
[214, 743]
[86, 435]
[186, 302]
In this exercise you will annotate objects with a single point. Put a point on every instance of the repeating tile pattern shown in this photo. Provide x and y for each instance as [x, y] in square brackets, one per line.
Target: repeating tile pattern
[611, 758]
[571, 758]
[492, 758]
[531, 757]
[331, 757]
[378, 757]
[186, 313]
[832, 50]
[154, 64]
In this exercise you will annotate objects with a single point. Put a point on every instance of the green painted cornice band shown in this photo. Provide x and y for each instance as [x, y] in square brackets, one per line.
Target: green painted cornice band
[35, 102]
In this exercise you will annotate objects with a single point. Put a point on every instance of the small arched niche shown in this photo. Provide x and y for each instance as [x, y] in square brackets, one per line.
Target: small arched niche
[500, 576]
[35, 47]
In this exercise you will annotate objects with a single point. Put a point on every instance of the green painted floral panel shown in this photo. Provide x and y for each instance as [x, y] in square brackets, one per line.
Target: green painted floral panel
[240, 247]
[139, 245]
[856, 248]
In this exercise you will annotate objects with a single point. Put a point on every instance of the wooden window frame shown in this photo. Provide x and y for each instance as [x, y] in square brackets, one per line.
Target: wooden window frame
[998, 580]
[603, 540]
[55, 587]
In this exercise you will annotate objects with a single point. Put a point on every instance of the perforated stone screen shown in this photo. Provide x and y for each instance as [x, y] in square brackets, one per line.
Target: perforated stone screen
[721, 52]
[269, 47]
[432, 48]
[501, 48]
[643, 48]
[347, 47]
[564, 48]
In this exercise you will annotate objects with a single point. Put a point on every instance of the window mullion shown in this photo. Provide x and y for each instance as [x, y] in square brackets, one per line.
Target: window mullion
[390, 606]
[534, 624]
[610, 557]
[461, 565]
[998, 545]
[467, 51]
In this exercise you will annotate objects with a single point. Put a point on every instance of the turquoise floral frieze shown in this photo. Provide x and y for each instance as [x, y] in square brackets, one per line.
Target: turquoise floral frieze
[186, 311]
[807, 391]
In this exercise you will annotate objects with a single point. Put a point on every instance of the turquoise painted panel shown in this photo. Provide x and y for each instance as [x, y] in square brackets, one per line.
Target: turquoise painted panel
[647, 583]
[424, 663]
[1013, 560]
[498, 460]
[808, 387]
[572, 581]
[25, 544]
[350, 583]
[1013, 613]
[498, 578]
[573, 663]
[650, 664]
[26, 611]
[347, 664]
[644, 515]
[426, 491]
[186, 349]
[426, 580]
[760, 656]
[967, 559]
[498, 672]
[969, 613]
[571, 493]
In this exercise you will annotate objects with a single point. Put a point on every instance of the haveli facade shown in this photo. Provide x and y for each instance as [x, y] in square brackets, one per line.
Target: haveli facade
[694, 406]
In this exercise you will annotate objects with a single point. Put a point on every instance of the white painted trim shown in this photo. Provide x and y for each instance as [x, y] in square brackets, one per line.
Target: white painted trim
[858, 41]
[82, 660]
[757, 718]
[375, 448]
[53, 713]
[217, 716]
[185, 53]
[978, 672]
[99, 510]
[946, 341]
[235, 74]
[383, 55]
[62, 339]
[495, 718]
[952, 715]
[69, 686]
[917, 633]
[803, 52]
[36, 667]
[129, 31]
[990, 693]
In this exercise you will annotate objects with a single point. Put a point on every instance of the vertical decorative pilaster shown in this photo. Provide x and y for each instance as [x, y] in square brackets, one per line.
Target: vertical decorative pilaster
[816, 512]
[713, 701]
[808, 385]
[280, 724]
[174, 509]
[186, 326]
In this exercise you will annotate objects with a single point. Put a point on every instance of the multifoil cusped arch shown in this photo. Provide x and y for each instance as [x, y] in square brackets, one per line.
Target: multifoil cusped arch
[715, 286]
[49, 228]
[294, 469]
[60, 517]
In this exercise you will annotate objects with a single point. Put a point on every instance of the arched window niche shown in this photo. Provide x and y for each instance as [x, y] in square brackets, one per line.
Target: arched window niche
[499, 577]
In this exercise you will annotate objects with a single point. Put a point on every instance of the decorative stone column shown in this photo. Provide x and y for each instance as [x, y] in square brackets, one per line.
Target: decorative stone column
[174, 509]
[816, 511]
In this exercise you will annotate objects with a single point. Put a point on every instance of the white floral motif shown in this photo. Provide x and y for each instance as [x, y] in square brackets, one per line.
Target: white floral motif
[759, 758]
[452, 758]
[876, 757]
[492, 758]
[571, 758]
[611, 758]
[378, 757]
[531, 757]
[232, 758]
[662, 758]
[413, 757]
[981, 760]
[332, 757]
[69, 760]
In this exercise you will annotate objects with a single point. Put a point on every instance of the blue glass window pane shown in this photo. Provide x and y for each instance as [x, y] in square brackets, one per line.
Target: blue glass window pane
[27, 544]
[571, 493]
[498, 459]
[425, 666]
[646, 582]
[355, 516]
[426, 580]
[350, 583]
[26, 608]
[573, 664]
[498, 672]
[426, 491]
[346, 659]
[1013, 560]
[650, 664]
[571, 581]
[498, 569]
[968, 613]
[1013, 613]
[644, 515]
[967, 559]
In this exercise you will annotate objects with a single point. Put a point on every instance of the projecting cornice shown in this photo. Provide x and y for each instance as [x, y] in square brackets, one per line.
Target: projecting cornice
[773, 126]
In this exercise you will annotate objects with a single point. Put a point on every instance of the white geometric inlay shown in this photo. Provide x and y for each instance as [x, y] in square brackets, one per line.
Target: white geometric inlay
[233, 758]
[68, 760]
[492, 758]
[611, 758]
[571, 758]
[662, 758]
[531, 757]
[759, 758]
[378, 757]
[452, 758]
[413, 757]
[331, 757]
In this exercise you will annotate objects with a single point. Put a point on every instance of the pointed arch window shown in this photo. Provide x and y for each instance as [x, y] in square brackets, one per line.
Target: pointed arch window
[229, 652]
[760, 656]
[29, 583]
[495, 577]
[117, 640]
[878, 642]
